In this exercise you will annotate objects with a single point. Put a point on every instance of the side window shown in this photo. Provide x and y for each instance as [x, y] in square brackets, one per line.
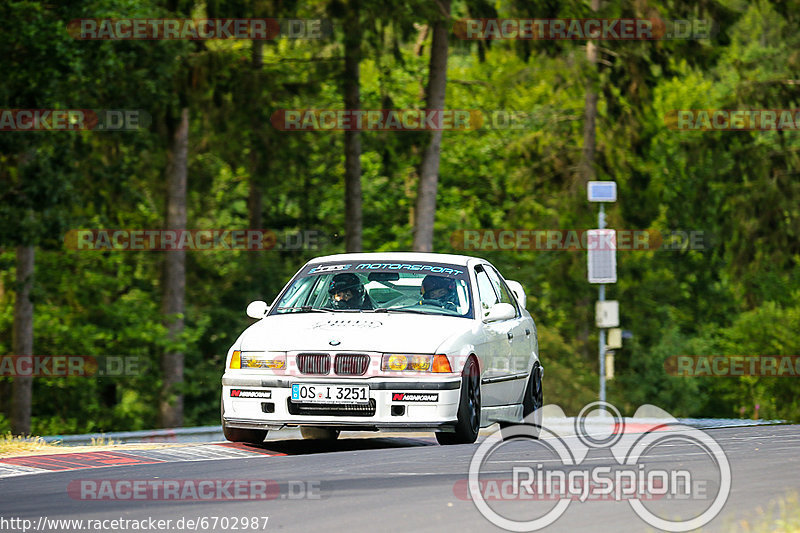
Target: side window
[319, 292]
[506, 296]
[486, 292]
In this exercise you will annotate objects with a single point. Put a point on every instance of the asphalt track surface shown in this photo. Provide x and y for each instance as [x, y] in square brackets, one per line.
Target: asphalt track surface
[403, 484]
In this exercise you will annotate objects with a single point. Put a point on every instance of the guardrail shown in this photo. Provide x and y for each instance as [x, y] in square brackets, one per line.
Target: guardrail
[176, 435]
[214, 433]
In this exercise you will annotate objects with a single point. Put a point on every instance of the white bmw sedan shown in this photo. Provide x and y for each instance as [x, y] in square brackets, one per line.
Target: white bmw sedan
[385, 341]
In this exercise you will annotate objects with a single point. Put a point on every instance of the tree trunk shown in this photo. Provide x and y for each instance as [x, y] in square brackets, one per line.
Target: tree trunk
[353, 219]
[254, 199]
[171, 408]
[22, 341]
[425, 212]
[5, 386]
[586, 169]
[259, 161]
[255, 196]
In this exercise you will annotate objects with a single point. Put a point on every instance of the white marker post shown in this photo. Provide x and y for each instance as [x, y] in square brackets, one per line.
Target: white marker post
[602, 265]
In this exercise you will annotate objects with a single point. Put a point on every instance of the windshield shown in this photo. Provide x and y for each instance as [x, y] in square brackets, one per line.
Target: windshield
[424, 288]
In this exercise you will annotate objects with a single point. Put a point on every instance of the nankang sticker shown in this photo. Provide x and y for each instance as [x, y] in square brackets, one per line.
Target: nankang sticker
[415, 396]
[239, 393]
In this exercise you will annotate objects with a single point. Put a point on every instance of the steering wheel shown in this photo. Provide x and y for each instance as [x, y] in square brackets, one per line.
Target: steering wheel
[449, 306]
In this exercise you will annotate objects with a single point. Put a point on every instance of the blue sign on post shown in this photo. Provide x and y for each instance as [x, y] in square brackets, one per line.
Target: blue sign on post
[602, 191]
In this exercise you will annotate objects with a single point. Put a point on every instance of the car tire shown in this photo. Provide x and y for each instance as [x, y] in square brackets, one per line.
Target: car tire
[250, 436]
[469, 408]
[318, 433]
[532, 403]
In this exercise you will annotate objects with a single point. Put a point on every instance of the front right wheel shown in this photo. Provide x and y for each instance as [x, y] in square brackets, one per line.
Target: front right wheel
[469, 408]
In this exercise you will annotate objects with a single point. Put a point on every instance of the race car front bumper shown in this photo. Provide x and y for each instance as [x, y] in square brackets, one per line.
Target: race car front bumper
[394, 403]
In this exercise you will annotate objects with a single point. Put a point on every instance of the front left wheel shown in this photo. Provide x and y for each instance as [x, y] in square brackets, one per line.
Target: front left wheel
[532, 403]
[469, 408]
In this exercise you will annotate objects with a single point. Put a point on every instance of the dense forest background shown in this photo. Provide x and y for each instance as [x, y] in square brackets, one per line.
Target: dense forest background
[741, 295]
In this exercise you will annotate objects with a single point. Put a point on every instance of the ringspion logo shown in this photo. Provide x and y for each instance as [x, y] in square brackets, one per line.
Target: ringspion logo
[530, 466]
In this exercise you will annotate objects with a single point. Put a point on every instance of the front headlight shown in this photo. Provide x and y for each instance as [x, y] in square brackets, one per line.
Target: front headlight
[396, 362]
[269, 360]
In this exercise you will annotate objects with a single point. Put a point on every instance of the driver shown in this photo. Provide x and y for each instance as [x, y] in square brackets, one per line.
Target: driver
[440, 289]
[347, 292]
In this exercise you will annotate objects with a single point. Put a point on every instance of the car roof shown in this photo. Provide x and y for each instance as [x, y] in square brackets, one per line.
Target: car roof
[452, 259]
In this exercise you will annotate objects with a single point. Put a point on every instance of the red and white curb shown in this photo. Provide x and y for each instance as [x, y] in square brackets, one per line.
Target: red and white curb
[39, 464]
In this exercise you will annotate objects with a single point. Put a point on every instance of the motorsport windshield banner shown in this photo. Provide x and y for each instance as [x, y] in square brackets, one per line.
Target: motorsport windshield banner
[411, 267]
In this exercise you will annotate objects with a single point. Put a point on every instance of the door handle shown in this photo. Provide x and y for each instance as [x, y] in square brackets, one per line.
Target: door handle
[510, 335]
[527, 332]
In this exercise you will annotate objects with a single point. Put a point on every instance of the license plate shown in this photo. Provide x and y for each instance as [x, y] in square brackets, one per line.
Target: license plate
[325, 393]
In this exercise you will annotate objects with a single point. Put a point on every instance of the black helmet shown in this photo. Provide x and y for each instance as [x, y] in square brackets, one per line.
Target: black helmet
[431, 283]
[347, 282]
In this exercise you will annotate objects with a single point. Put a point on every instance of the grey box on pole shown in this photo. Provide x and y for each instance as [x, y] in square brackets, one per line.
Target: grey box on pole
[607, 314]
[601, 254]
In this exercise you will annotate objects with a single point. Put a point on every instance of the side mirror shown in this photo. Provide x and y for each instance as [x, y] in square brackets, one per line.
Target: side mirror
[501, 311]
[519, 292]
[257, 309]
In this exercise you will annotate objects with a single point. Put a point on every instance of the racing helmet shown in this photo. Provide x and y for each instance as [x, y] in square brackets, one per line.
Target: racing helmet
[346, 282]
[431, 283]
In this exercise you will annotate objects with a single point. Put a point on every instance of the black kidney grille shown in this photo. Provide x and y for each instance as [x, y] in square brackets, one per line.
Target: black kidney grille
[347, 364]
[314, 363]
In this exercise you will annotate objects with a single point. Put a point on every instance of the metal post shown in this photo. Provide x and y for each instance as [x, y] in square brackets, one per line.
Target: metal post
[602, 348]
[601, 296]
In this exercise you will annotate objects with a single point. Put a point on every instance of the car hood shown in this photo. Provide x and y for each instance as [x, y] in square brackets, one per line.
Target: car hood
[375, 332]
